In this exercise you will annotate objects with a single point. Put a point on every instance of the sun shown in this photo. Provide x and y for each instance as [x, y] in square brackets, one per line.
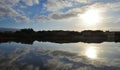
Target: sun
[91, 17]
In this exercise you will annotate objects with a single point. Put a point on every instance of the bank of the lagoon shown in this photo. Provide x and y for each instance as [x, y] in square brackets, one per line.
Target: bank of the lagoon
[29, 35]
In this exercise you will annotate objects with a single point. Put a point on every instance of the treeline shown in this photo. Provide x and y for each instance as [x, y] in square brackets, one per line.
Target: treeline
[60, 36]
[117, 36]
[30, 33]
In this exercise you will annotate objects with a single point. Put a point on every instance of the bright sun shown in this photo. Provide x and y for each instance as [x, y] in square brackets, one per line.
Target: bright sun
[91, 17]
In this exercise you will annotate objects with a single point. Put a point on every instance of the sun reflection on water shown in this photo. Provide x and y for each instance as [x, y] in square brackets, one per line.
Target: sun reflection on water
[91, 52]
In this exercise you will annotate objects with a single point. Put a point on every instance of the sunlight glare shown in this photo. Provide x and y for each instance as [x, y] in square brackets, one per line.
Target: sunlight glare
[91, 52]
[91, 17]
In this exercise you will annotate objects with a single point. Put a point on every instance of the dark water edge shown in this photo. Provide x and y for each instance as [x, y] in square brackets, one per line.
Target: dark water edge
[60, 41]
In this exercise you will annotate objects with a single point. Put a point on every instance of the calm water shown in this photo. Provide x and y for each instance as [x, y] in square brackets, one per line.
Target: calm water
[54, 56]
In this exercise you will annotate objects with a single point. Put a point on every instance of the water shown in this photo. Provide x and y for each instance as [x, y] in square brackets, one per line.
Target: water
[55, 56]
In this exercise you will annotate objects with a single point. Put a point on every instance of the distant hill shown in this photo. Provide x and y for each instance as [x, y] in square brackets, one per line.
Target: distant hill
[8, 29]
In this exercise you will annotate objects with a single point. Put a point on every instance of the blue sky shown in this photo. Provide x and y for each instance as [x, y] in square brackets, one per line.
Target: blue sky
[60, 14]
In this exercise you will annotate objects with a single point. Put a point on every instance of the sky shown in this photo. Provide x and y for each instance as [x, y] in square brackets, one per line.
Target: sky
[75, 15]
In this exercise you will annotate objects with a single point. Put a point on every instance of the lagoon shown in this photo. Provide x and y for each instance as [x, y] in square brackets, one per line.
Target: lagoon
[59, 56]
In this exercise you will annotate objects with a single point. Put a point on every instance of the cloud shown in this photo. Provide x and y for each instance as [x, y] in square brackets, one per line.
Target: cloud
[7, 11]
[42, 17]
[110, 11]
[9, 3]
[12, 14]
[82, 1]
[6, 8]
[62, 16]
[22, 18]
[106, 8]
[31, 2]
[56, 16]
[55, 5]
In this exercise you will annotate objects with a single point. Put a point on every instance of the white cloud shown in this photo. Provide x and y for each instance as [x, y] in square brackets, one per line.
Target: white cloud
[56, 5]
[109, 11]
[16, 16]
[7, 11]
[64, 15]
[8, 3]
[82, 1]
[36, 1]
[21, 18]
[31, 2]
[6, 8]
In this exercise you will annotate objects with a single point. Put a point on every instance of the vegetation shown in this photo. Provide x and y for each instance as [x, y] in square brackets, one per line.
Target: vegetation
[29, 35]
